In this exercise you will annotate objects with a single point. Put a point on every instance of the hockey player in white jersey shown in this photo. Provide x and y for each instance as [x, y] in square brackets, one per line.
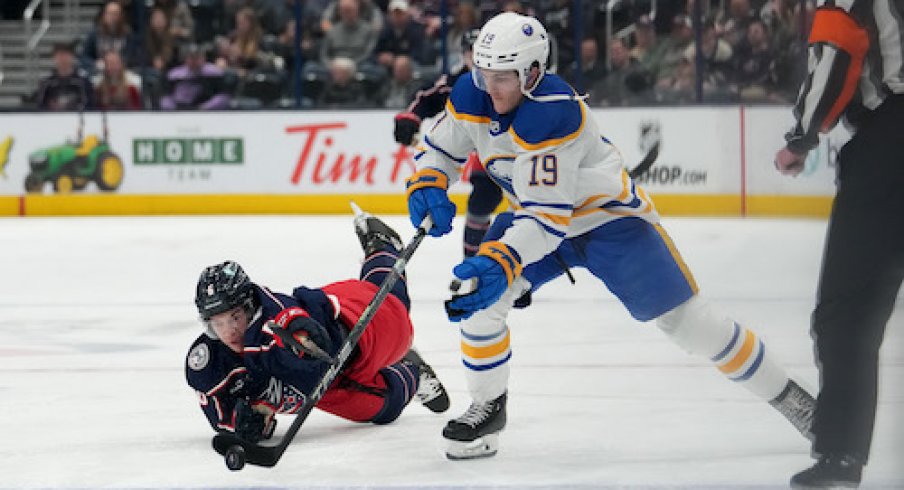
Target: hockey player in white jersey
[574, 206]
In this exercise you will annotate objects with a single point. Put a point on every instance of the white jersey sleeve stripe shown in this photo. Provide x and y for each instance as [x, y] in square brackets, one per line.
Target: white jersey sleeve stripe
[556, 215]
[444, 152]
[548, 229]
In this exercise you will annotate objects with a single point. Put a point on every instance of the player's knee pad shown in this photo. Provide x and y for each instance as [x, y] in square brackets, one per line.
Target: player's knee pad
[401, 384]
[697, 327]
[485, 195]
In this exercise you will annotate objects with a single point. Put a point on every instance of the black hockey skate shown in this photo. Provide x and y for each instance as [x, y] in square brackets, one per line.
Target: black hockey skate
[796, 405]
[430, 392]
[374, 234]
[832, 471]
[476, 433]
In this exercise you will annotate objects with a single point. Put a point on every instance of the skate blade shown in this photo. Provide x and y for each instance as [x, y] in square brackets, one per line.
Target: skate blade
[482, 447]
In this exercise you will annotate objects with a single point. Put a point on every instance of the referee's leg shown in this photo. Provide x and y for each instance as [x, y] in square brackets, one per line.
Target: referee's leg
[862, 270]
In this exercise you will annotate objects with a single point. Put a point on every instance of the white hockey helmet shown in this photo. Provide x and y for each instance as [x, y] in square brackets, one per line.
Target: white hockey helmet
[511, 41]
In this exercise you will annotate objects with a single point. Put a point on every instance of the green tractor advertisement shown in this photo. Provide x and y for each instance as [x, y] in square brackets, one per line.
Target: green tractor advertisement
[72, 165]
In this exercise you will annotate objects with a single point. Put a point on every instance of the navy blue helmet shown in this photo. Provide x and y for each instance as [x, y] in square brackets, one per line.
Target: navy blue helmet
[223, 287]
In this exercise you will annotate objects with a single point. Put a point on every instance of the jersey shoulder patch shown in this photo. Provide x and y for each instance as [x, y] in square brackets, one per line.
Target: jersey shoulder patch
[542, 124]
[198, 357]
[469, 102]
[209, 362]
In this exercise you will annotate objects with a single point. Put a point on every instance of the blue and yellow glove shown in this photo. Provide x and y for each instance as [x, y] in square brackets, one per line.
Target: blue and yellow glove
[495, 266]
[426, 194]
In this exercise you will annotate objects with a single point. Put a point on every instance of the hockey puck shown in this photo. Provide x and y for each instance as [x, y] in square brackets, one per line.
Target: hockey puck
[235, 458]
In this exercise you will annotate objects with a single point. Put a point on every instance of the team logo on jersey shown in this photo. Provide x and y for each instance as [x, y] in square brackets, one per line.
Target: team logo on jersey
[273, 393]
[292, 399]
[527, 29]
[500, 169]
[199, 357]
[285, 397]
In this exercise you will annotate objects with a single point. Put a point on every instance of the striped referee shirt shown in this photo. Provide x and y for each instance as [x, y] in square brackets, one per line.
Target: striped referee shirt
[855, 62]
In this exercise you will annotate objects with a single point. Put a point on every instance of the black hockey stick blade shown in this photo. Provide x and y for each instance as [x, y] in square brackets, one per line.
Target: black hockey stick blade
[237, 451]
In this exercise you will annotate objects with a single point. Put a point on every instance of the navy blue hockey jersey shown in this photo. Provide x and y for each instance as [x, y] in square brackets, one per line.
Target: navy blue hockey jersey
[264, 373]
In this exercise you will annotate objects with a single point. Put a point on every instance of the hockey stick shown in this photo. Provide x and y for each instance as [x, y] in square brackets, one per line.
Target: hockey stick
[237, 451]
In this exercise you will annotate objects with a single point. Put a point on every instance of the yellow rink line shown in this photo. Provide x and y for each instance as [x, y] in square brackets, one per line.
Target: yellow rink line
[152, 204]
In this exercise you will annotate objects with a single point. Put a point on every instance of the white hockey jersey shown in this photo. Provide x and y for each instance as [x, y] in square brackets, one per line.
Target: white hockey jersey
[561, 175]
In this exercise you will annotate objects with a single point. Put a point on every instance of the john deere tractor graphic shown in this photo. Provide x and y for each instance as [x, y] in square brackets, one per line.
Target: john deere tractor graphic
[72, 165]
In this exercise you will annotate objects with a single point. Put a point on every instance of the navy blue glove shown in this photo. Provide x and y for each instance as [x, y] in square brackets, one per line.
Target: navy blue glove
[426, 192]
[495, 267]
[295, 330]
[254, 422]
[407, 124]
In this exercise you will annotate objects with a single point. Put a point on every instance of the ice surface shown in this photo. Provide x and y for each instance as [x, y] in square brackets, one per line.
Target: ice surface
[96, 316]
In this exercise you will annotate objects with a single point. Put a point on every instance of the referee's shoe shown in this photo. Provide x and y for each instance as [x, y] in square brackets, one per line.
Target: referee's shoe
[830, 471]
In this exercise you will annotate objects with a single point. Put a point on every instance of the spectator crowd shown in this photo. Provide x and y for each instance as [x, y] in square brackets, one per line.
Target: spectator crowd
[235, 54]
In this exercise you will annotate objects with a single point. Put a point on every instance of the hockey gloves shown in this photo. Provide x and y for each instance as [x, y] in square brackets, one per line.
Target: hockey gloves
[495, 266]
[254, 423]
[426, 193]
[407, 125]
[295, 330]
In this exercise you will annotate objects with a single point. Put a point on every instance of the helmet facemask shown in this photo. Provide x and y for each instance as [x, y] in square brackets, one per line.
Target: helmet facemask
[222, 288]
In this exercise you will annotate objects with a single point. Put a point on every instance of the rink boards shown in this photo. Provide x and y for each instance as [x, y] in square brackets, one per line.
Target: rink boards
[714, 161]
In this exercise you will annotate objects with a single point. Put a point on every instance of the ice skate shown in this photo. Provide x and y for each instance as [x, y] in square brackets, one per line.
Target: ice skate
[430, 392]
[831, 471]
[796, 405]
[476, 433]
[373, 233]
